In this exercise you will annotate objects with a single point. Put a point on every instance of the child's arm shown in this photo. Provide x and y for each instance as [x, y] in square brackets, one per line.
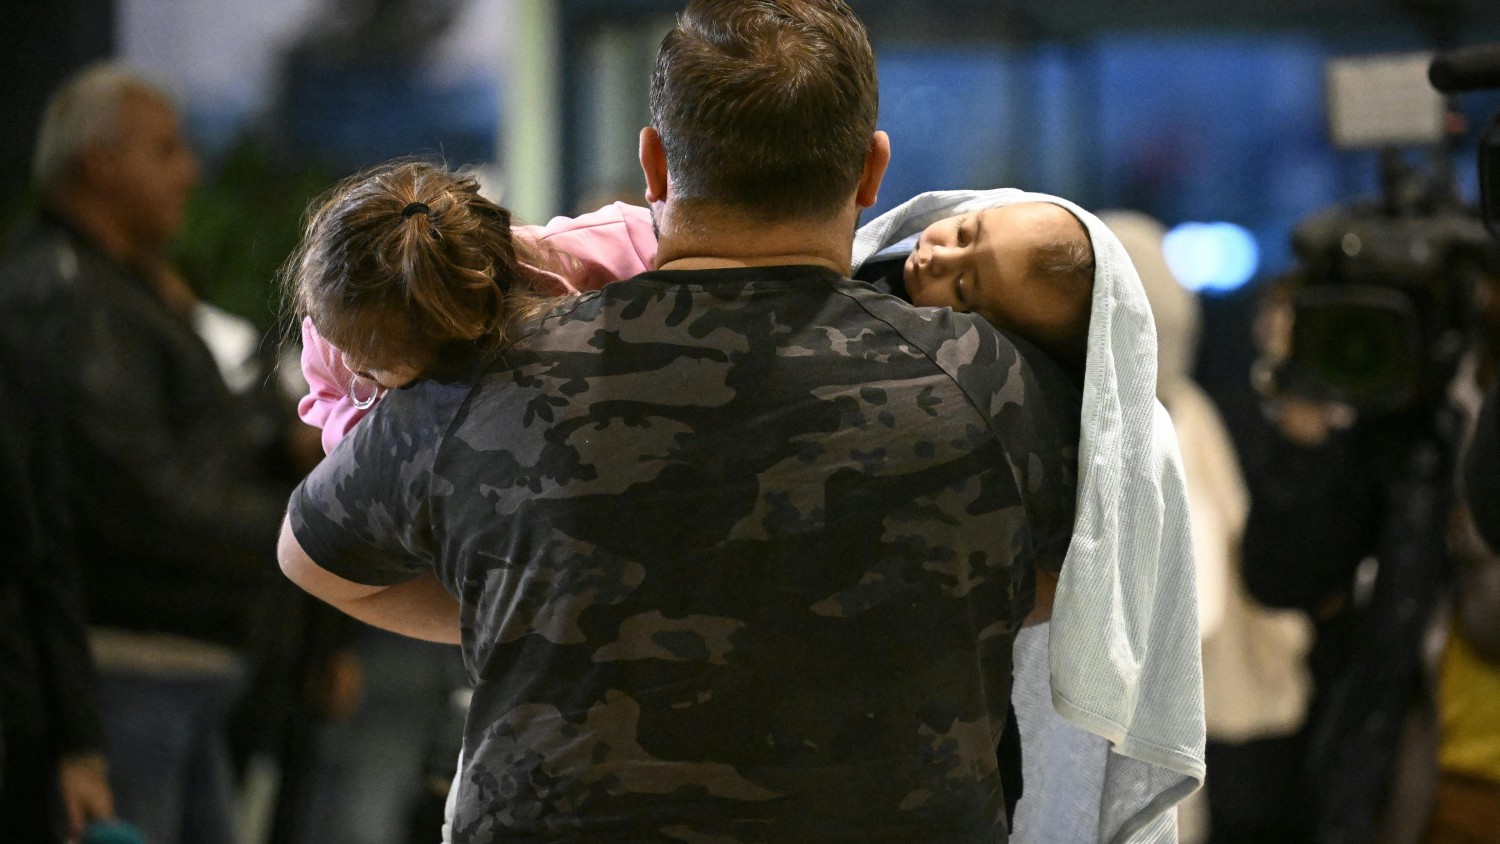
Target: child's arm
[596, 248]
[327, 404]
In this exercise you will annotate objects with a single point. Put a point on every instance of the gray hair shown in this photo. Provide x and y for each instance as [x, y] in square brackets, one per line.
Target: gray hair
[83, 112]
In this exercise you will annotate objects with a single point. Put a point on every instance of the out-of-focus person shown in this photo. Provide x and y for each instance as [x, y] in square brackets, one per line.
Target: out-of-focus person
[1482, 461]
[1355, 518]
[52, 772]
[149, 469]
[1466, 798]
[1255, 680]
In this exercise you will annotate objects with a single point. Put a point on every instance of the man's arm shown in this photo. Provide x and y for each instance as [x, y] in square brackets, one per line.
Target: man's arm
[1052, 504]
[67, 678]
[1046, 593]
[420, 608]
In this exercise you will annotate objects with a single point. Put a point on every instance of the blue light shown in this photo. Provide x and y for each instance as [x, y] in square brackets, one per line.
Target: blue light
[1211, 257]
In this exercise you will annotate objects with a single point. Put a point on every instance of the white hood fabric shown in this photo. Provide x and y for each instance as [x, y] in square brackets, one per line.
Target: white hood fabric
[1123, 653]
[1256, 682]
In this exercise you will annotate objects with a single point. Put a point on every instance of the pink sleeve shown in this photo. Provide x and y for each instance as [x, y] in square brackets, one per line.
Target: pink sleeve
[327, 404]
[610, 244]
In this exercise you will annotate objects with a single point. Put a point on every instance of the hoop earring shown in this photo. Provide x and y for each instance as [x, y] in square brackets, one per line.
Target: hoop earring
[365, 403]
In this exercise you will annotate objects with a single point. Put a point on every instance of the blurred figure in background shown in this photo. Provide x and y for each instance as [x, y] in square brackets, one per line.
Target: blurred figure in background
[1255, 683]
[1354, 518]
[1482, 469]
[1466, 803]
[150, 470]
[52, 772]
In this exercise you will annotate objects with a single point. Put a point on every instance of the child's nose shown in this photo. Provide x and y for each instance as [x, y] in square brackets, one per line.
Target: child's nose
[937, 261]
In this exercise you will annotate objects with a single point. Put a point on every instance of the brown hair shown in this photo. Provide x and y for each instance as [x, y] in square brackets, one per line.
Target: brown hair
[767, 106]
[1070, 260]
[1066, 262]
[406, 262]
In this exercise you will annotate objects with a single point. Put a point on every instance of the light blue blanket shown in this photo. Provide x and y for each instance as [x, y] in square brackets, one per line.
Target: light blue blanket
[1120, 661]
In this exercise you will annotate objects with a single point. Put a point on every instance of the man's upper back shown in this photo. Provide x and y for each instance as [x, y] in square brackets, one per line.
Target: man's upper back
[741, 552]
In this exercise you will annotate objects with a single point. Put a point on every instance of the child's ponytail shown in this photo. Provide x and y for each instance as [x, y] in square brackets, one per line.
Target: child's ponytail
[406, 262]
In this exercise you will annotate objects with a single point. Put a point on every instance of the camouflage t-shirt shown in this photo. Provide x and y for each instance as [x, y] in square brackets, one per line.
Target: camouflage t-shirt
[740, 555]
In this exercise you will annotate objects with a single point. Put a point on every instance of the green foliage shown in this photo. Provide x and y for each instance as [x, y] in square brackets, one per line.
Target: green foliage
[241, 225]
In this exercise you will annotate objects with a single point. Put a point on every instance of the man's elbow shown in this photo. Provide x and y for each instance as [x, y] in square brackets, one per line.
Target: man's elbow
[313, 578]
[295, 564]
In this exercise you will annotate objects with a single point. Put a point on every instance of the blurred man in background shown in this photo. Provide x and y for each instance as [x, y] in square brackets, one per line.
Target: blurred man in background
[148, 468]
[52, 773]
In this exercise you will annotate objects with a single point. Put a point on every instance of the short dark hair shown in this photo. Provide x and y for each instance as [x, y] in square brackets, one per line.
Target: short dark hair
[766, 106]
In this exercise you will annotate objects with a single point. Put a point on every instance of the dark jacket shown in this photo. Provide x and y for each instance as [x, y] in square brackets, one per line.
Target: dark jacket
[148, 467]
[48, 704]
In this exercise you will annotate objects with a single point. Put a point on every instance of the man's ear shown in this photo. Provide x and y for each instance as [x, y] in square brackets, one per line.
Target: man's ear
[876, 160]
[654, 165]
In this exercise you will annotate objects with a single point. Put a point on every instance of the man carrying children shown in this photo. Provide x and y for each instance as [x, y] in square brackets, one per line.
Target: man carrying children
[736, 549]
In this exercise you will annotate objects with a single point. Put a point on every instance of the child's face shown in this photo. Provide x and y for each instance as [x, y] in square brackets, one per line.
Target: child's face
[974, 262]
[966, 262]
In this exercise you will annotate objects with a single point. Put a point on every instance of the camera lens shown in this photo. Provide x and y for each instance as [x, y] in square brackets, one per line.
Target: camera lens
[1356, 345]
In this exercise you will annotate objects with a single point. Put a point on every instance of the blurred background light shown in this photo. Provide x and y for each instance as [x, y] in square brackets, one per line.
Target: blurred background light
[1212, 257]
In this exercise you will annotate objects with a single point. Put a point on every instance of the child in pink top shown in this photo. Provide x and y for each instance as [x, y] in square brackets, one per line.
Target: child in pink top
[578, 254]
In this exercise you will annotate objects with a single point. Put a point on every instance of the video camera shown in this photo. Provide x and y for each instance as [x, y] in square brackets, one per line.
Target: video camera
[1381, 300]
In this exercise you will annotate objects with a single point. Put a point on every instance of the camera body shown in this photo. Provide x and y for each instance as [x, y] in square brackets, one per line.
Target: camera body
[1382, 297]
[1381, 305]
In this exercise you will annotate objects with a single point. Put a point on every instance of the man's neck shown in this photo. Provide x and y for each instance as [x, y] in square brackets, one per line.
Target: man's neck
[726, 242]
[706, 262]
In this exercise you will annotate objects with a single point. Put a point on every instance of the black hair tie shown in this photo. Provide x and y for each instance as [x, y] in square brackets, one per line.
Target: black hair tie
[415, 208]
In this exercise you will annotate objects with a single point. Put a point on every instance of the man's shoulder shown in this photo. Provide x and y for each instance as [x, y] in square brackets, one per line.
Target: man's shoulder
[401, 438]
[46, 263]
[36, 261]
[964, 345]
[428, 404]
[1005, 377]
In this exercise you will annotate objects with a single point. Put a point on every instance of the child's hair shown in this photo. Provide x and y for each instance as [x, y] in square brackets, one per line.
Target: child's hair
[1069, 260]
[406, 262]
[1068, 263]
